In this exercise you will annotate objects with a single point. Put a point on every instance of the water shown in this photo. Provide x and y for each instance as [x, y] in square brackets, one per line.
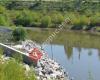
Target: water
[77, 52]
[81, 63]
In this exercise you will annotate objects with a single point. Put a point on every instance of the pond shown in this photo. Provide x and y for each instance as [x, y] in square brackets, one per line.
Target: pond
[77, 52]
[81, 63]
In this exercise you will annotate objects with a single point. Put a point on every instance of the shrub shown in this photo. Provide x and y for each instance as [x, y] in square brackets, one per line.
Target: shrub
[46, 21]
[19, 34]
[57, 18]
[84, 20]
[2, 9]
[97, 28]
[36, 19]
[28, 18]
[1, 50]
[3, 20]
[23, 19]
[95, 20]
[75, 21]
[60, 18]
[78, 21]
[18, 57]
[11, 70]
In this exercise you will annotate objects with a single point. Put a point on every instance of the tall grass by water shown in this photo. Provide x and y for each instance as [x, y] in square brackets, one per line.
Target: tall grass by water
[12, 70]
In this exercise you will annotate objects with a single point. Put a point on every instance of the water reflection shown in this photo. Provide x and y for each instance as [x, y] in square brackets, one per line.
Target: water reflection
[77, 52]
[68, 51]
[81, 63]
[90, 52]
[99, 54]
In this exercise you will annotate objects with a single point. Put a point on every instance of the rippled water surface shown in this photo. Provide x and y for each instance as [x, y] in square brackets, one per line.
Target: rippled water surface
[78, 53]
[81, 63]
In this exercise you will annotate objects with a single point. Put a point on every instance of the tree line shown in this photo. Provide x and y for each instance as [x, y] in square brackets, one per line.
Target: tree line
[42, 14]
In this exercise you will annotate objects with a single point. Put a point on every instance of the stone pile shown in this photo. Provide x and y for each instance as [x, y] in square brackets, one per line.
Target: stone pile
[46, 69]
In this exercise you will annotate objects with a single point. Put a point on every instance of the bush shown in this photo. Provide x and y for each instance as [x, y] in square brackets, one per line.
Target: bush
[75, 21]
[36, 16]
[1, 51]
[60, 18]
[23, 19]
[4, 20]
[78, 21]
[84, 20]
[19, 34]
[11, 70]
[18, 57]
[97, 28]
[57, 18]
[95, 20]
[28, 19]
[46, 21]
[2, 9]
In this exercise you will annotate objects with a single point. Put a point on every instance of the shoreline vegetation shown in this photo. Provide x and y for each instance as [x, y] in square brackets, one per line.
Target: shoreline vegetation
[44, 14]
[14, 69]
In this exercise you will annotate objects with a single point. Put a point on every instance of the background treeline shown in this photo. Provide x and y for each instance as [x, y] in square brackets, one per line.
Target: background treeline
[84, 14]
[61, 5]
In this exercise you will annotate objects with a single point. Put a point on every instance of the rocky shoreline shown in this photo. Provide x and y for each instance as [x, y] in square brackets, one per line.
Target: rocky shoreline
[46, 68]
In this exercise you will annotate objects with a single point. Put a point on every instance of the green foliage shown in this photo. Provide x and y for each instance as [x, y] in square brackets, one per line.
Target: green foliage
[19, 34]
[2, 9]
[1, 51]
[28, 18]
[78, 21]
[81, 22]
[57, 18]
[46, 21]
[18, 57]
[97, 28]
[95, 20]
[50, 14]
[36, 16]
[11, 70]
[24, 19]
[3, 20]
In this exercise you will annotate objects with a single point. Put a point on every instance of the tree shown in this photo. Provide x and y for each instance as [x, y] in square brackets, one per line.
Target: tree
[46, 21]
[2, 9]
[57, 18]
[24, 19]
[4, 21]
[28, 18]
[19, 34]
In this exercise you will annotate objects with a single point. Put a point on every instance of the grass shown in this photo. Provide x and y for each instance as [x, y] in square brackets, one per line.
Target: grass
[13, 70]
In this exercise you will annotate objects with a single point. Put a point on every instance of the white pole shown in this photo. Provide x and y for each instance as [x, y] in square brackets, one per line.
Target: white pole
[13, 49]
